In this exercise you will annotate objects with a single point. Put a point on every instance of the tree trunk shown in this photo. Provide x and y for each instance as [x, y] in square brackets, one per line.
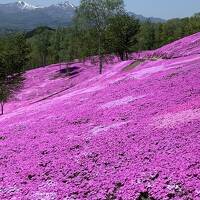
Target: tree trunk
[67, 69]
[44, 60]
[121, 55]
[100, 57]
[2, 105]
[100, 64]
[127, 56]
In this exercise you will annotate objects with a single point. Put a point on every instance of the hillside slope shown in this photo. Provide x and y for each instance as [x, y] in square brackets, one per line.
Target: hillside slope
[180, 48]
[126, 134]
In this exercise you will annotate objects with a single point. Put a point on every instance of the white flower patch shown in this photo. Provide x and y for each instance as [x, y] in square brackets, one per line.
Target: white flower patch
[174, 188]
[48, 184]
[120, 102]
[186, 60]
[91, 89]
[99, 129]
[197, 191]
[68, 198]
[172, 119]
[143, 73]
[44, 195]
[84, 91]
[117, 80]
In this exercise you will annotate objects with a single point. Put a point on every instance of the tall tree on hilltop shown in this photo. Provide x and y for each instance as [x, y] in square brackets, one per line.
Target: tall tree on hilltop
[96, 14]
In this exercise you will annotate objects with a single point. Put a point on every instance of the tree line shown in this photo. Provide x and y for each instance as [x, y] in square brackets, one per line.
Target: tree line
[14, 56]
[119, 34]
[100, 27]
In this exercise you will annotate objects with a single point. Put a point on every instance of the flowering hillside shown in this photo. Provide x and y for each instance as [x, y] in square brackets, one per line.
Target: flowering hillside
[180, 48]
[131, 133]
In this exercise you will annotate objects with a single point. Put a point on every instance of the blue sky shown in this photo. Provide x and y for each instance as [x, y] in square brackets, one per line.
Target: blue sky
[157, 8]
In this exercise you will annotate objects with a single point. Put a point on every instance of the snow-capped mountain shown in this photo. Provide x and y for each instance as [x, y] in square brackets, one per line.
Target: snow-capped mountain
[62, 5]
[22, 15]
[23, 5]
[65, 4]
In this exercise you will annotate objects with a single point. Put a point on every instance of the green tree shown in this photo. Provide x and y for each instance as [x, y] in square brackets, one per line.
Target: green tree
[4, 95]
[42, 44]
[157, 35]
[56, 46]
[96, 14]
[13, 60]
[172, 30]
[15, 54]
[8, 85]
[146, 36]
[121, 34]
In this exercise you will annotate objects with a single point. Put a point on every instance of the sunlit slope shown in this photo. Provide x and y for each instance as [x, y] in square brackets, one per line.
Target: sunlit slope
[113, 136]
[180, 48]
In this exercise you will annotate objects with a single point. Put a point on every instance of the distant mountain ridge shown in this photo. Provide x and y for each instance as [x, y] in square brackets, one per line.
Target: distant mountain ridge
[23, 16]
[152, 19]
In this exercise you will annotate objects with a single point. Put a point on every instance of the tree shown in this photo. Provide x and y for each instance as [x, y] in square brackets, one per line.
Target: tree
[8, 85]
[172, 30]
[4, 89]
[95, 14]
[56, 45]
[121, 34]
[146, 36]
[15, 54]
[4, 95]
[158, 28]
[13, 60]
[42, 44]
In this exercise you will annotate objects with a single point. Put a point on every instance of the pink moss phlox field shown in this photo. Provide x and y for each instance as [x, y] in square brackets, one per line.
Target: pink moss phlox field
[110, 136]
[180, 48]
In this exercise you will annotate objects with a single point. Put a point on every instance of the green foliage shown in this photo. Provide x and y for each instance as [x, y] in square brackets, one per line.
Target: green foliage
[95, 14]
[37, 31]
[13, 59]
[42, 44]
[121, 34]
[154, 35]
[100, 27]
[14, 53]
[146, 36]
[4, 94]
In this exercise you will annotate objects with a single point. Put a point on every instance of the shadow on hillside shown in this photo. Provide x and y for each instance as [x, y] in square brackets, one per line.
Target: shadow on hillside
[67, 71]
[70, 71]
